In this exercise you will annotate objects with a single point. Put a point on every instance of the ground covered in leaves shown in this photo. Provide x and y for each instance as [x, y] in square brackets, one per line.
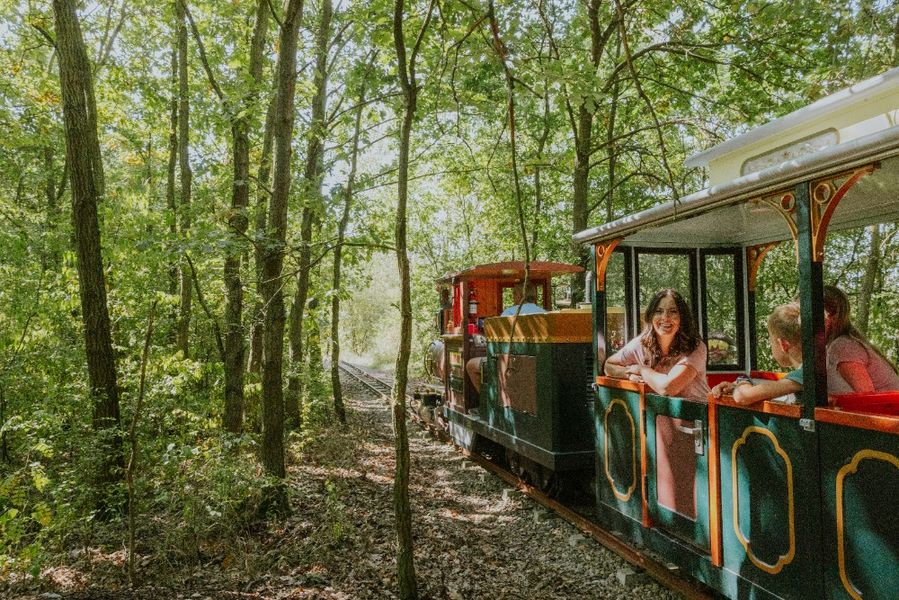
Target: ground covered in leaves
[475, 538]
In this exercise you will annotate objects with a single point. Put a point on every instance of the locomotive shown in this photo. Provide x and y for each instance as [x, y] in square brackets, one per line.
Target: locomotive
[766, 500]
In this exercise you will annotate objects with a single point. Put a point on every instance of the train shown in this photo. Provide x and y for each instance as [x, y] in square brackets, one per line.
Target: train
[767, 500]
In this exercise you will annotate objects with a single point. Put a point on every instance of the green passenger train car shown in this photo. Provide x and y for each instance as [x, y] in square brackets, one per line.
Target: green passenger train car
[781, 498]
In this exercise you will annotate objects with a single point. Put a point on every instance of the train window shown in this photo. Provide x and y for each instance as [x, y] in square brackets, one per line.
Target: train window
[721, 321]
[659, 270]
[777, 282]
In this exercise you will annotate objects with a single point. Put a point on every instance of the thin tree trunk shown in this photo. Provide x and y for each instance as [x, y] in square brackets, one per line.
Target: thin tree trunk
[272, 449]
[86, 183]
[611, 148]
[171, 168]
[263, 195]
[405, 559]
[580, 210]
[184, 284]
[336, 388]
[51, 257]
[312, 173]
[232, 418]
[869, 279]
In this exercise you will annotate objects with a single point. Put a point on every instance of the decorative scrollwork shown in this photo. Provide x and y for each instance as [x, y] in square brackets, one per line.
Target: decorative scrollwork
[754, 256]
[826, 195]
[603, 254]
[785, 204]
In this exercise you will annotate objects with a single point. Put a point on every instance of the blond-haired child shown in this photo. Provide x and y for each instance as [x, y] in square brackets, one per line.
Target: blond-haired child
[785, 337]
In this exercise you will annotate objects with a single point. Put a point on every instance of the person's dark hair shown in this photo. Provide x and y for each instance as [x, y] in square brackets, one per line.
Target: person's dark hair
[836, 305]
[685, 341]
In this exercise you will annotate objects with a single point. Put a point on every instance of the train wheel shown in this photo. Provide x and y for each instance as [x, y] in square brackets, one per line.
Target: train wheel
[515, 464]
[546, 480]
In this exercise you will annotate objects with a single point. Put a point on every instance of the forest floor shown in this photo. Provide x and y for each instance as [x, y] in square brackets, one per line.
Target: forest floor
[475, 537]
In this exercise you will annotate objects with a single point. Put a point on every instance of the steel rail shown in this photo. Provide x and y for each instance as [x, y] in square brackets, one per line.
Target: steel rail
[367, 379]
[658, 571]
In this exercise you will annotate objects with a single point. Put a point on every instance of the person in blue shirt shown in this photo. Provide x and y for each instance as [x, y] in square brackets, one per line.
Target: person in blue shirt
[527, 300]
[785, 338]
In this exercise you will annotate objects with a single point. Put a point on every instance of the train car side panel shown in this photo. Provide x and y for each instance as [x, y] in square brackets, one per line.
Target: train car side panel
[620, 453]
[769, 503]
[860, 488]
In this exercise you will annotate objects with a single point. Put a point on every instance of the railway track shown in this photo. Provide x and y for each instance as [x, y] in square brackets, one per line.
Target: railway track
[660, 572]
[378, 386]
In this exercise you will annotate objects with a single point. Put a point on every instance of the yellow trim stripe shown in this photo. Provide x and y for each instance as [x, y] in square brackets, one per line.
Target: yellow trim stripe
[784, 559]
[623, 496]
[852, 467]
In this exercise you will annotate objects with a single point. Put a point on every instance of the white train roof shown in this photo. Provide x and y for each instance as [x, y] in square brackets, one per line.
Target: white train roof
[849, 129]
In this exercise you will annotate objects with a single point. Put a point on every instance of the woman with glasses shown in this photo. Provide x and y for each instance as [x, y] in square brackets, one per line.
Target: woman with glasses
[669, 356]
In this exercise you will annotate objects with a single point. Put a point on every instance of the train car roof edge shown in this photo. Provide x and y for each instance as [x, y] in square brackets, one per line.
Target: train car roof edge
[509, 268]
[875, 146]
[861, 91]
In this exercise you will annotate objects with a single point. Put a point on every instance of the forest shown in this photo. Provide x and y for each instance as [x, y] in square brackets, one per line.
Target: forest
[205, 205]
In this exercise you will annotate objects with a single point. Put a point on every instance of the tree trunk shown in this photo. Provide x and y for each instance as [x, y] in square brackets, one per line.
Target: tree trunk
[872, 270]
[272, 449]
[405, 558]
[580, 210]
[263, 194]
[184, 283]
[86, 182]
[312, 173]
[232, 418]
[170, 180]
[51, 257]
[336, 388]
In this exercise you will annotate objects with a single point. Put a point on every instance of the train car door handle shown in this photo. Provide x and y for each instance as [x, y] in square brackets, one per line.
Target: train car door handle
[696, 432]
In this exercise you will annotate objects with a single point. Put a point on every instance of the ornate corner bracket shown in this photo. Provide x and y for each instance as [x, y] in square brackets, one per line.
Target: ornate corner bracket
[603, 254]
[825, 196]
[754, 257]
[785, 204]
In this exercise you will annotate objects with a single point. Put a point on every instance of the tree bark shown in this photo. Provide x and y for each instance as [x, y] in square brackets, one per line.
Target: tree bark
[170, 189]
[336, 388]
[263, 194]
[869, 279]
[580, 209]
[272, 448]
[312, 173]
[186, 177]
[405, 559]
[86, 182]
[232, 418]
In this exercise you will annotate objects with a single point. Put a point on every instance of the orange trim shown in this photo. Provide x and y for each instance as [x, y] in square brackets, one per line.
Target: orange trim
[620, 384]
[603, 254]
[643, 468]
[766, 407]
[825, 196]
[883, 423]
[714, 489]
[754, 256]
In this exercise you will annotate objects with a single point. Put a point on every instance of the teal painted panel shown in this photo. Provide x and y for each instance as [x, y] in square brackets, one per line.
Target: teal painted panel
[677, 477]
[860, 488]
[618, 453]
[769, 502]
[561, 423]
